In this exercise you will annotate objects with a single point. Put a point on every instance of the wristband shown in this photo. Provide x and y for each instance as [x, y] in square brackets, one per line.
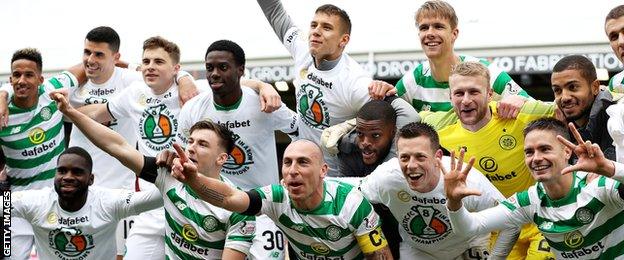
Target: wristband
[5, 185]
[182, 74]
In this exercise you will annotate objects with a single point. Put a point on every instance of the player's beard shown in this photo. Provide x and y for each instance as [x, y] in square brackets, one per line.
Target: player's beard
[584, 113]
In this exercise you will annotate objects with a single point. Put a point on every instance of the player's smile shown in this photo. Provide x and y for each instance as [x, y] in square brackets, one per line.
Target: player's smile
[413, 177]
[67, 187]
[92, 68]
[539, 169]
[569, 107]
[22, 89]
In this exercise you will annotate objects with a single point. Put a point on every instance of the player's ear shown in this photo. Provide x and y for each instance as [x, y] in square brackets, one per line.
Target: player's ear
[240, 70]
[439, 154]
[91, 179]
[455, 33]
[222, 158]
[344, 40]
[324, 169]
[568, 152]
[595, 87]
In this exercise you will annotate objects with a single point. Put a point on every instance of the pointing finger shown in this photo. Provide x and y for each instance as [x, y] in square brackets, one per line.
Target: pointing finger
[181, 153]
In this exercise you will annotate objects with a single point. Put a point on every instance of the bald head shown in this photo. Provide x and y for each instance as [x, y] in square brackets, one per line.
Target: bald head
[304, 147]
[303, 169]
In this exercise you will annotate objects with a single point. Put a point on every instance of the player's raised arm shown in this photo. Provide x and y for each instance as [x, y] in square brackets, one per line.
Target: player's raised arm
[277, 17]
[97, 112]
[270, 100]
[100, 135]
[79, 72]
[211, 190]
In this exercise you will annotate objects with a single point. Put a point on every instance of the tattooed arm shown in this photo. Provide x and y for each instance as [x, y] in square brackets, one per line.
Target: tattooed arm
[211, 190]
[381, 254]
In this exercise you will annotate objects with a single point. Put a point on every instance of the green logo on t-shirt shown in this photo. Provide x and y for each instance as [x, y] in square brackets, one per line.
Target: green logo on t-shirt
[240, 158]
[71, 243]
[158, 125]
[426, 224]
[312, 108]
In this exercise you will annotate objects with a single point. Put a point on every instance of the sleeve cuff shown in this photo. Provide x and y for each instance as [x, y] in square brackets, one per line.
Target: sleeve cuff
[182, 74]
[619, 172]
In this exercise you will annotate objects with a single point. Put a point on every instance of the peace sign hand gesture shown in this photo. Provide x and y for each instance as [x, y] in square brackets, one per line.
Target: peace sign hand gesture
[590, 156]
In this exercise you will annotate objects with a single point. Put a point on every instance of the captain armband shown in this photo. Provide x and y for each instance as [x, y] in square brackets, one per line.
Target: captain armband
[372, 241]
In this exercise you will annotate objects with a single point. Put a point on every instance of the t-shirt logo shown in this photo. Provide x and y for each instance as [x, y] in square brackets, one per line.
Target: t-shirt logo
[46, 113]
[573, 239]
[312, 109]
[71, 243]
[427, 224]
[210, 223]
[189, 233]
[247, 228]
[320, 248]
[158, 126]
[403, 196]
[584, 215]
[333, 233]
[240, 159]
[52, 218]
[507, 142]
[488, 164]
[95, 100]
[37, 135]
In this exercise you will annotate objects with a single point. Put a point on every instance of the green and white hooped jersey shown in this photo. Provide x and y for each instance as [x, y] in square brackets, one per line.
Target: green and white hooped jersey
[154, 117]
[422, 217]
[325, 97]
[616, 83]
[426, 94]
[109, 171]
[253, 162]
[35, 137]
[196, 229]
[586, 224]
[328, 231]
[88, 233]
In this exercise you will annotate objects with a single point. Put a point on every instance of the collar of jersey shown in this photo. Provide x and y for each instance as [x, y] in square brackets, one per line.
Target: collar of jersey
[577, 185]
[228, 108]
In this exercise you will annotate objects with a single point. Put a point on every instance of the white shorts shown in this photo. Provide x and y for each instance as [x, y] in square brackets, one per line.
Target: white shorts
[269, 241]
[147, 236]
[122, 232]
[408, 251]
[22, 239]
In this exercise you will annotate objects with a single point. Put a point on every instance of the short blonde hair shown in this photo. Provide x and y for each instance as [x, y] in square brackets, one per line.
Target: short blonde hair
[439, 9]
[471, 68]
